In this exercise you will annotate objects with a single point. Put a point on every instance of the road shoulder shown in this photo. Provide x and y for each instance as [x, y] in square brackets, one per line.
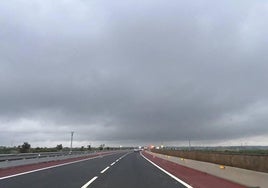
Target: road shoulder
[193, 177]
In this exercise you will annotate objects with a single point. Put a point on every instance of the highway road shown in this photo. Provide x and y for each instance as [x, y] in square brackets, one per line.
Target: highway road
[125, 169]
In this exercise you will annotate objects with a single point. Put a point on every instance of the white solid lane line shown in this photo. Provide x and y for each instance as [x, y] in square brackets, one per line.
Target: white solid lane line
[104, 169]
[89, 182]
[112, 163]
[171, 175]
[45, 168]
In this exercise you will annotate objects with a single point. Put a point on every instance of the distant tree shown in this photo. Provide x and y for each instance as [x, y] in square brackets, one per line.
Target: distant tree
[82, 148]
[101, 146]
[25, 147]
[59, 147]
[89, 147]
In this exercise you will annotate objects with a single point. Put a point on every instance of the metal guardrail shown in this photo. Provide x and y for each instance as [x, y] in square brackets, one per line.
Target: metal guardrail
[21, 156]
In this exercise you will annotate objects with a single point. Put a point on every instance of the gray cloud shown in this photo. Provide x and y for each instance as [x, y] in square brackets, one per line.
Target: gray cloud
[133, 71]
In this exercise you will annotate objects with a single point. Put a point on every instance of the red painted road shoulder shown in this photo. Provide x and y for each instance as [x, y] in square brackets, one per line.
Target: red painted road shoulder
[33, 167]
[195, 178]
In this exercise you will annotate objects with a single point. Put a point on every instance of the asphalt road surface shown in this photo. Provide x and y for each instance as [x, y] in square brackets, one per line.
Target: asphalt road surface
[120, 170]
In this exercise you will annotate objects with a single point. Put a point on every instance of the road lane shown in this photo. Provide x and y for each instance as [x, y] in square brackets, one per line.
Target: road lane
[69, 176]
[134, 171]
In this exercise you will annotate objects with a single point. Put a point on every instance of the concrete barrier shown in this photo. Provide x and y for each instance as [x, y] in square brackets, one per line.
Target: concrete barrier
[245, 177]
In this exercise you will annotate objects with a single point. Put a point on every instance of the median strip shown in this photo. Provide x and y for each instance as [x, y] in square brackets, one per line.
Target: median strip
[31, 171]
[27, 169]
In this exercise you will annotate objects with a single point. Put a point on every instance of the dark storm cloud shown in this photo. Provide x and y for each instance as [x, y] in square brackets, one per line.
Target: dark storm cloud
[132, 70]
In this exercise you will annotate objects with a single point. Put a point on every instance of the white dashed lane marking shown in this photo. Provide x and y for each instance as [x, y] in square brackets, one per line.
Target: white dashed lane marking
[94, 178]
[89, 182]
[104, 169]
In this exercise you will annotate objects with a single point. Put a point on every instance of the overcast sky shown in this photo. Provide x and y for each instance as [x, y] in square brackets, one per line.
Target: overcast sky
[128, 72]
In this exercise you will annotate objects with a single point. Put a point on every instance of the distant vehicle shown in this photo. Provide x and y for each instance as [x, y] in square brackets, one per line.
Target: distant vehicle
[138, 149]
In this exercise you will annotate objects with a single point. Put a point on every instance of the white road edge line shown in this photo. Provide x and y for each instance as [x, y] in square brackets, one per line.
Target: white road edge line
[89, 182]
[104, 169]
[112, 163]
[49, 167]
[171, 175]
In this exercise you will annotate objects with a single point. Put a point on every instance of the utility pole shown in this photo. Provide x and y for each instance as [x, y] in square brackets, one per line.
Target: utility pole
[72, 134]
[189, 144]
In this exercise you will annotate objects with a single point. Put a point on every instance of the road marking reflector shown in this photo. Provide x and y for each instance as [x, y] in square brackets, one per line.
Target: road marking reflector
[89, 182]
[222, 167]
[104, 169]
[171, 175]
